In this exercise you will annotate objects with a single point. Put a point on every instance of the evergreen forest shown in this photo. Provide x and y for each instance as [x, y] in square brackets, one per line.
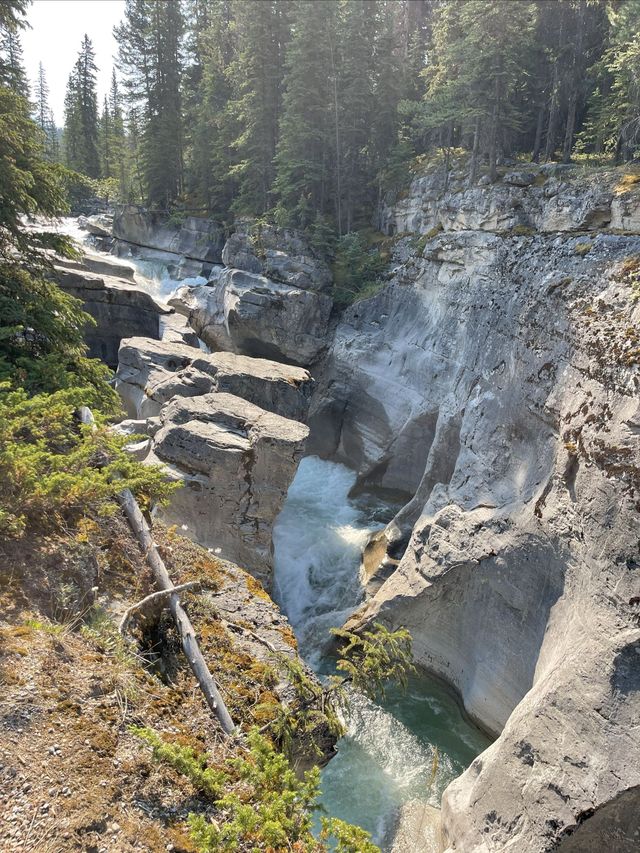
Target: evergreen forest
[309, 112]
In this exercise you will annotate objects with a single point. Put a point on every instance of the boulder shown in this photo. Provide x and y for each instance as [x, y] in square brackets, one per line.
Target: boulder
[235, 462]
[193, 237]
[279, 254]
[143, 362]
[120, 309]
[252, 315]
[175, 329]
[150, 373]
[99, 225]
[520, 178]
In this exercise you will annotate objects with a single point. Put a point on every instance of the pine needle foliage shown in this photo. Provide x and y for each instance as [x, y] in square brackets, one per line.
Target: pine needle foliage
[55, 471]
[374, 658]
[265, 805]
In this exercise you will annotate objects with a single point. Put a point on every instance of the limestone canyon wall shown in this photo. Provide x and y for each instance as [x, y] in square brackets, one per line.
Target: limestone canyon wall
[494, 382]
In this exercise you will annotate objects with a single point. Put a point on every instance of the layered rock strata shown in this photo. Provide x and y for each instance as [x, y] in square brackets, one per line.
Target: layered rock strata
[150, 373]
[194, 238]
[235, 462]
[228, 429]
[119, 308]
[495, 381]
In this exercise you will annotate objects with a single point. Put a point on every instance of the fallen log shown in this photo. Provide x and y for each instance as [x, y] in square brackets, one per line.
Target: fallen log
[185, 628]
[151, 605]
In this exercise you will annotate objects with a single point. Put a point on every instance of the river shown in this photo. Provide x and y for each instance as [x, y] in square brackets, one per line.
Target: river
[387, 754]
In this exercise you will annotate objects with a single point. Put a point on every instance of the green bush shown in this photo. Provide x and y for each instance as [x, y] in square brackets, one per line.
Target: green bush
[265, 807]
[357, 267]
[54, 471]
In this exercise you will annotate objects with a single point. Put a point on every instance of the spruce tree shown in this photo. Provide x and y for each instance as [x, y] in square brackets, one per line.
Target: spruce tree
[81, 114]
[256, 76]
[309, 144]
[12, 71]
[43, 116]
[613, 124]
[212, 182]
[150, 59]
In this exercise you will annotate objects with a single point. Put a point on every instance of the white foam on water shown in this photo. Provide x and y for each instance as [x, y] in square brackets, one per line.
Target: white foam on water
[318, 538]
[387, 754]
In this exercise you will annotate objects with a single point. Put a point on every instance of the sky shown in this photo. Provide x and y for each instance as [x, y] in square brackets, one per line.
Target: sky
[57, 28]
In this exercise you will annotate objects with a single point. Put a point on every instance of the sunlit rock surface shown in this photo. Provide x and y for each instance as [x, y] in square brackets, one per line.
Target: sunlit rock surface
[235, 462]
[150, 373]
[495, 383]
[193, 237]
[249, 314]
[119, 308]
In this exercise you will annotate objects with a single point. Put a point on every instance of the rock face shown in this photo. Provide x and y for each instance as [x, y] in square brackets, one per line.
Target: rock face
[277, 253]
[120, 309]
[249, 314]
[235, 462]
[495, 382]
[150, 373]
[194, 237]
[550, 199]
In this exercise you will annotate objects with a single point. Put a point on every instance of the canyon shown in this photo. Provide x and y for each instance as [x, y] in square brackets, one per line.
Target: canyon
[491, 388]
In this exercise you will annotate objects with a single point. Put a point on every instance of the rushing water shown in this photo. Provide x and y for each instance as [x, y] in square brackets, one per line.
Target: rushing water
[387, 755]
[153, 273]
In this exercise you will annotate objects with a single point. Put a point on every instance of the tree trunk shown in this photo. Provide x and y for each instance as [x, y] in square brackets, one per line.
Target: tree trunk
[474, 153]
[554, 107]
[185, 628]
[575, 87]
[537, 145]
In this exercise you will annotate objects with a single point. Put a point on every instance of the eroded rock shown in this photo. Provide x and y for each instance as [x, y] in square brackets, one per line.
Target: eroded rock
[120, 309]
[150, 373]
[497, 380]
[194, 237]
[235, 462]
[277, 253]
[250, 314]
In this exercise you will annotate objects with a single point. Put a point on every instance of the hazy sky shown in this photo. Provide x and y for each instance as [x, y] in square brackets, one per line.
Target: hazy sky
[57, 28]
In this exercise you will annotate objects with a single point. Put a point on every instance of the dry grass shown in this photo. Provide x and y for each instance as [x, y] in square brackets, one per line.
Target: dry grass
[72, 777]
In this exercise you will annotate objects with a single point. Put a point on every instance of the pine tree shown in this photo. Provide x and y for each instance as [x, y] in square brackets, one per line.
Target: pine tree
[613, 123]
[212, 183]
[118, 143]
[12, 71]
[480, 59]
[44, 117]
[309, 144]
[356, 107]
[81, 114]
[256, 103]
[149, 57]
[105, 136]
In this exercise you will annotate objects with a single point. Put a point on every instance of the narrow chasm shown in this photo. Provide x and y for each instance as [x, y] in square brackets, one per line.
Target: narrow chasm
[398, 755]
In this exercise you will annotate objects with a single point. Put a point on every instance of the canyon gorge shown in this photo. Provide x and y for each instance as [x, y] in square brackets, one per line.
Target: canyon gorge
[489, 394]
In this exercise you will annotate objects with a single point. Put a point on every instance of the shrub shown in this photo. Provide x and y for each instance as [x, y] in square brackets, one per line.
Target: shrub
[55, 471]
[265, 807]
[357, 268]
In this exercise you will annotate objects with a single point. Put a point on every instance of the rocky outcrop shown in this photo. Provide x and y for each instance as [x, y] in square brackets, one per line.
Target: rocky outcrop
[119, 308]
[99, 225]
[495, 381]
[150, 373]
[550, 198]
[252, 315]
[278, 254]
[193, 237]
[235, 462]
